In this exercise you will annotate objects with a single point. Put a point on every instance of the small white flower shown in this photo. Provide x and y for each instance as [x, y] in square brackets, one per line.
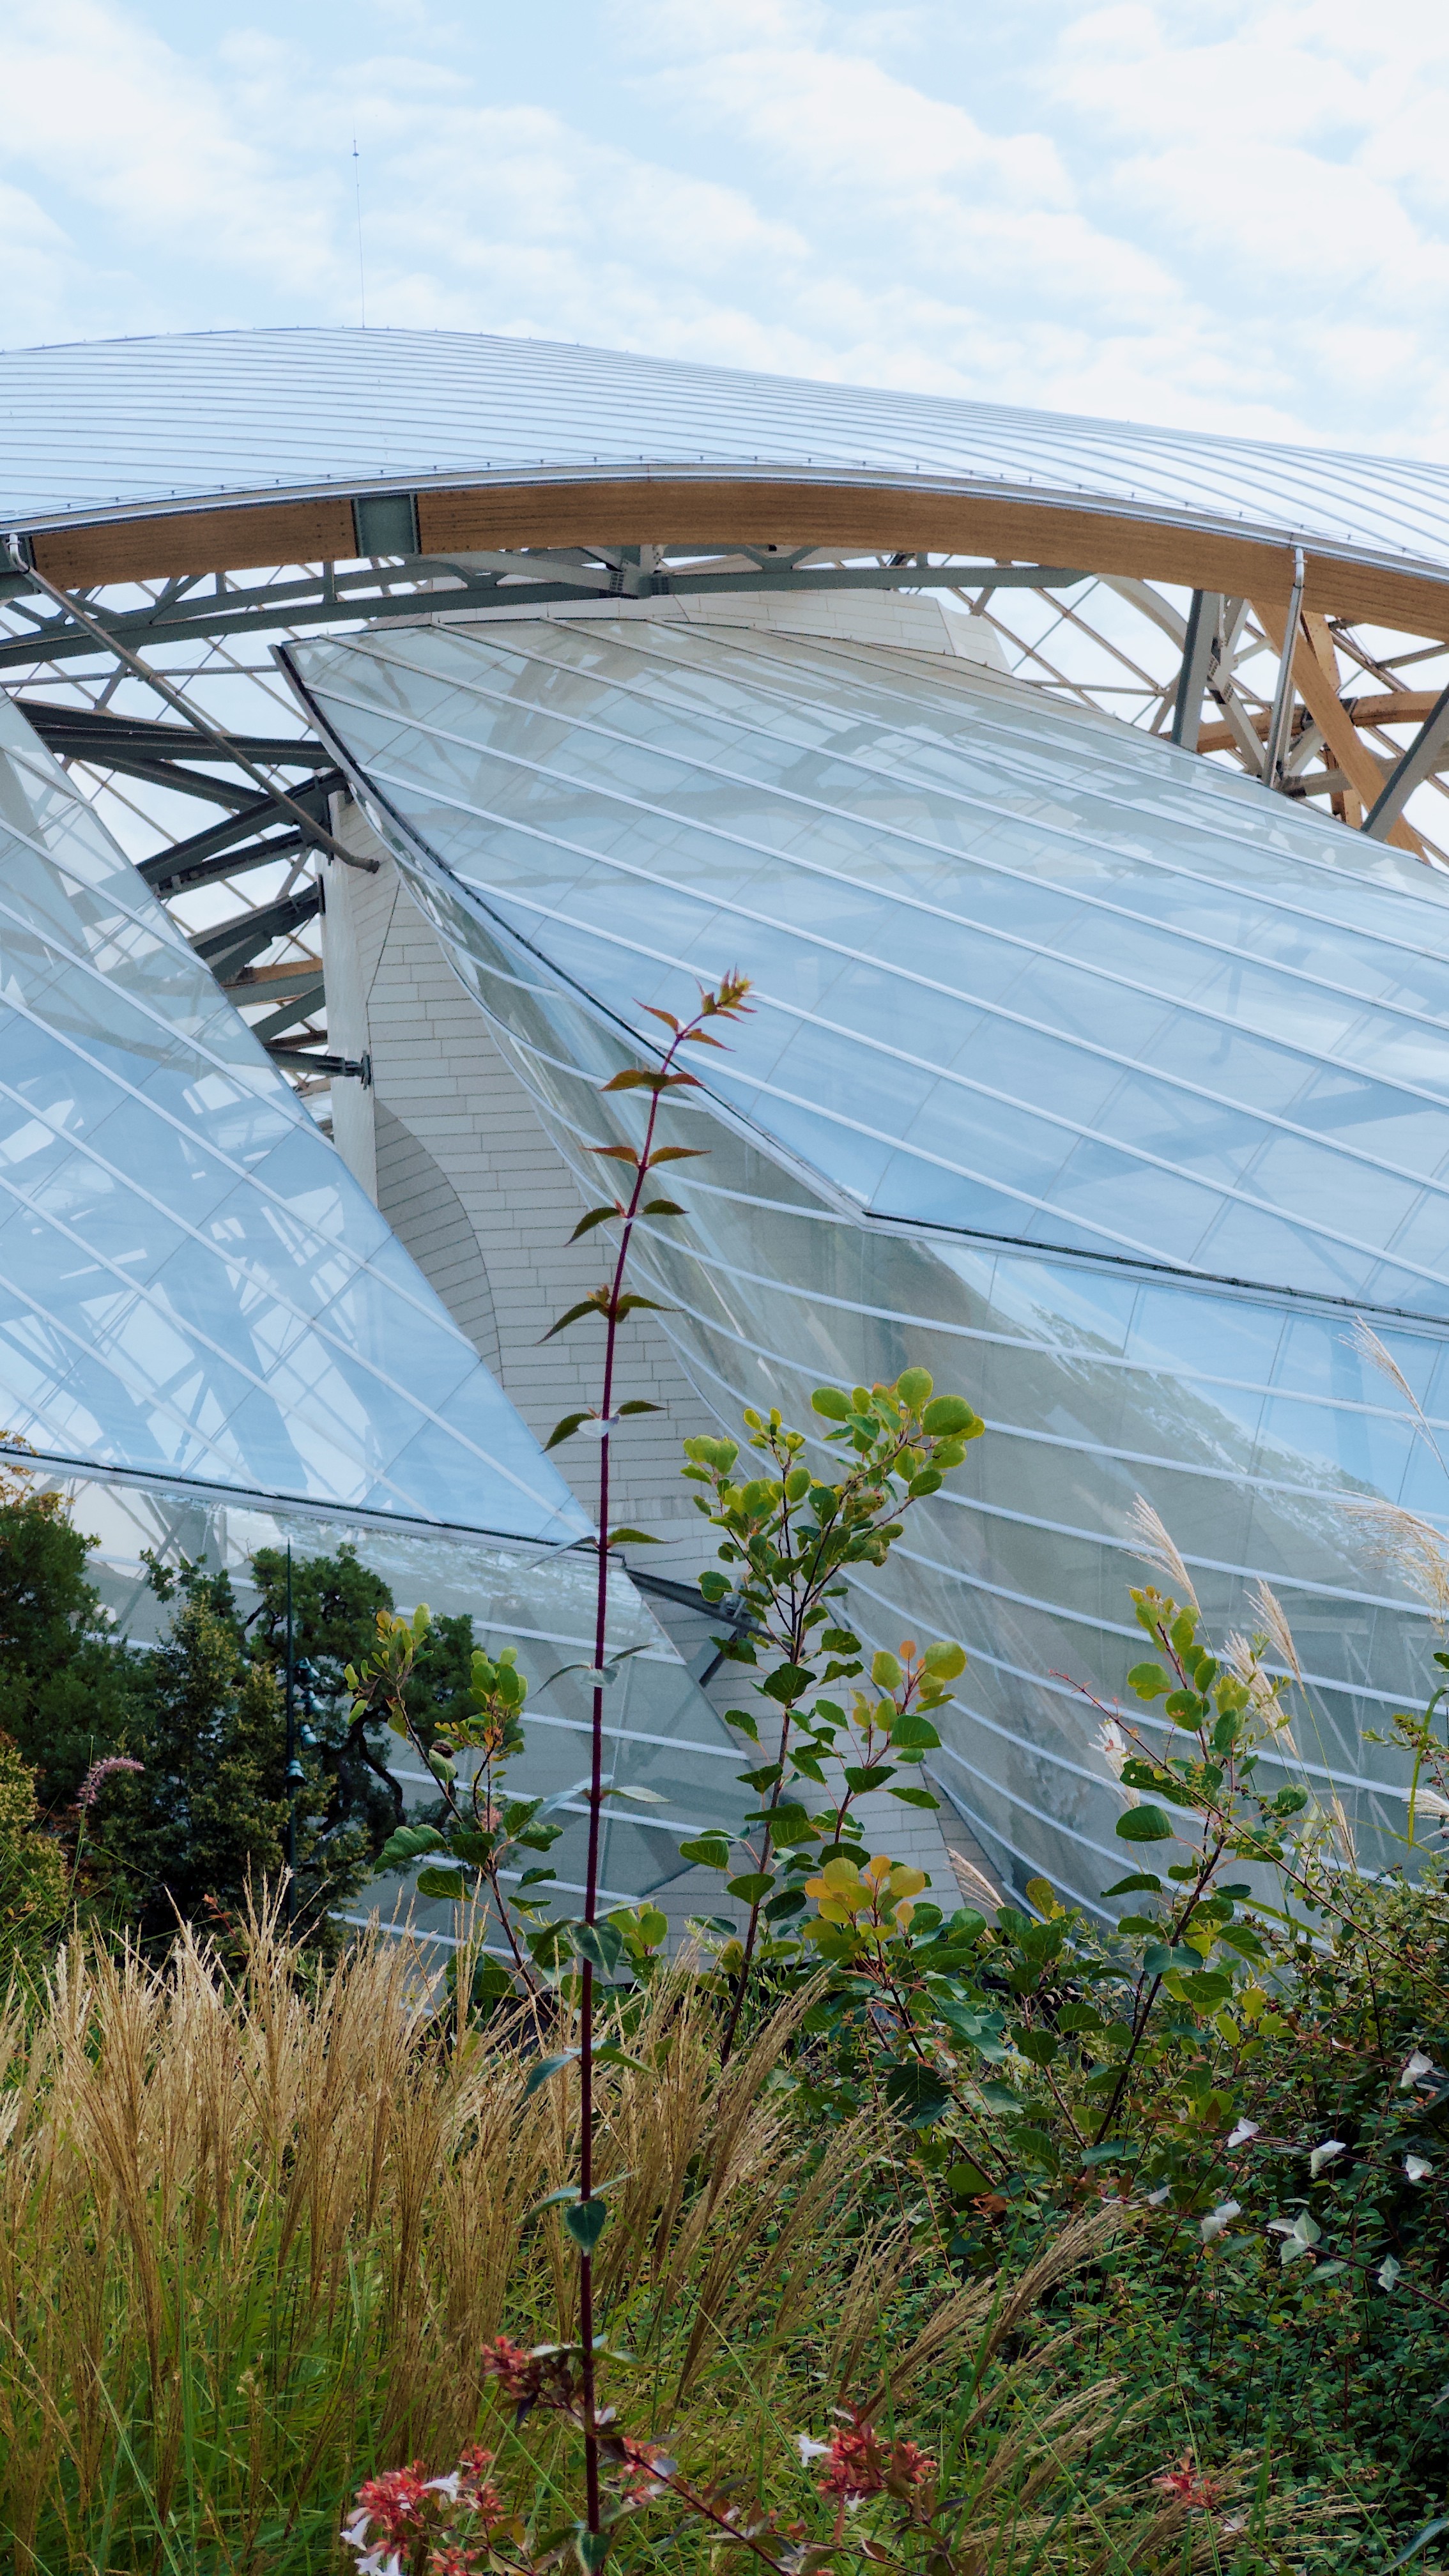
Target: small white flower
[1324, 2155]
[447, 2486]
[1415, 2069]
[1245, 2130]
[1388, 2272]
[1431, 1801]
[1112, 1744]
[1156, 2198]
[1299, 2235]
[809, 2450]
[1417, 2168]
[1220, 2218]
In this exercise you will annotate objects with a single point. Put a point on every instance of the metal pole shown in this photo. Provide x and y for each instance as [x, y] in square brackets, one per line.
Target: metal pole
[1283, 695]
[1418, 763]
[293, 1765]
[191, 715]
[1203, 619]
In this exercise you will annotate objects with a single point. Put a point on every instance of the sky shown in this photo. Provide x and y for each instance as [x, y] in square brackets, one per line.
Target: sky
[1228, 219]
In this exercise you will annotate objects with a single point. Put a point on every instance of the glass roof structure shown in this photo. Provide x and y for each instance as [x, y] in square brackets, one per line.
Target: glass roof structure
[214, 1342]
[660, 1731]
[191, 1282]
[1091, 1077]
[146, 425]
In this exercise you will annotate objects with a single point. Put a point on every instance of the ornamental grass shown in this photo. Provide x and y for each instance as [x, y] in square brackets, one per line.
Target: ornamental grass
[257, 2240]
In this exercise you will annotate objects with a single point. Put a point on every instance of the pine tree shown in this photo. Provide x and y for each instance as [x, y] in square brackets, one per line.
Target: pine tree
[66, 1683]
[203, 1823]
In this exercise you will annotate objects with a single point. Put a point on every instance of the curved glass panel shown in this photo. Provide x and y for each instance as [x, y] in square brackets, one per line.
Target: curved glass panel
[577, 865]
[1018, 973]
[191, 1282]
[660, 1730]
[270, 412]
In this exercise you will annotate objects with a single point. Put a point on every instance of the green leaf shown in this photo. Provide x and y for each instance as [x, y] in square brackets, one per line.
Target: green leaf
[914, 1733]
[946, 1661]
[546, 2068]
[1149, 1681]
[710, 1851]
[913, 1387]
[885, 1672]
[916, 2093]
[586, 2221]
[592, 2547]
[829, 1401]
[452, 1884]
[585, 1306]
[789, 1823]
[915, 1797]
[638, 1404]
[632, 1538]
[661, 1207]
[1144, 1825]
[565, 1429]
[1421, 2539]
[408, 1844]
[750, 1889]
[951, 1417]
[628, 1304]
[1038, 2047]
[786, 1683]
[861, 1776]
[1141, 1883]
[596, 1216]
[600, 1944]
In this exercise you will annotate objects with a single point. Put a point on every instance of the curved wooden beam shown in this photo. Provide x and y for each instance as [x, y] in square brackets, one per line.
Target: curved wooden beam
[869, 516]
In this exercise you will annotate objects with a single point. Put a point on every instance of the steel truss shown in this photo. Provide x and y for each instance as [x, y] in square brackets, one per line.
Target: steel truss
[1209, 672]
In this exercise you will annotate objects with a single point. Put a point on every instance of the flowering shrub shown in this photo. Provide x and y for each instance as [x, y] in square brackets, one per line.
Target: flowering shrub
[407, 2524]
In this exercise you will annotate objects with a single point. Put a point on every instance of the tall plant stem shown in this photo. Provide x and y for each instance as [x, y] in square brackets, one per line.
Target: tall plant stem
[596, 1797]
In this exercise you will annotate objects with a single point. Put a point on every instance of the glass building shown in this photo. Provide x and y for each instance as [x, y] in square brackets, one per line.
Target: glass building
[214, 1342]
[1100, 1071]
[1082, 1073]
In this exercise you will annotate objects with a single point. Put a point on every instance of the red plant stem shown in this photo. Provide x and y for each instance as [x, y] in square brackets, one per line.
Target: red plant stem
[596, 1807]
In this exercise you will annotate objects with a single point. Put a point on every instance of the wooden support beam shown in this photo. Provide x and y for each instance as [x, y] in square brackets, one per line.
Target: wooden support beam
[1320, 696]
[653, 506]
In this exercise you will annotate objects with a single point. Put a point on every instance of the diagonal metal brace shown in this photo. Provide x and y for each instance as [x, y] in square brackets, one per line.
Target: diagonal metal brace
[1419, 762]
[189, 714]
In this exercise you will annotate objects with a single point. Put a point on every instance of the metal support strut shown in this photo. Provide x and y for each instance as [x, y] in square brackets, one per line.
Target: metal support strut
[189, 714]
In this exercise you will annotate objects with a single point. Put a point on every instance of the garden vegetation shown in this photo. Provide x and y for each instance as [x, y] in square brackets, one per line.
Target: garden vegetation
[867, 2230]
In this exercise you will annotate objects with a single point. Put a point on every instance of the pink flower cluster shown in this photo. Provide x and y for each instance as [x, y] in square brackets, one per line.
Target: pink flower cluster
[402, 2514]
[99, 1773]
[859, 2464]
[1184, 2486]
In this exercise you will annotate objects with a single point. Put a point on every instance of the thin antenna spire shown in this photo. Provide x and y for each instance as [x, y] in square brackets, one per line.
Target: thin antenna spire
[361, 271]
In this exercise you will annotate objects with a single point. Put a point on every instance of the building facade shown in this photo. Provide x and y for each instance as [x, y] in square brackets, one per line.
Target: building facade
[1068, 790]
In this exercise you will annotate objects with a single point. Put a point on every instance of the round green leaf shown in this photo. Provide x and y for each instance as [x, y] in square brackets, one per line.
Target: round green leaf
[1144, 1825]
[950, 1416]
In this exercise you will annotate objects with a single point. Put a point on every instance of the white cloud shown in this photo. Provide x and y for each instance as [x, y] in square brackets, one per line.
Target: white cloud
[1235, 223]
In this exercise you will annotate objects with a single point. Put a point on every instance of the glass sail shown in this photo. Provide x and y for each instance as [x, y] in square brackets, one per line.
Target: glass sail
[1102, 1083]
